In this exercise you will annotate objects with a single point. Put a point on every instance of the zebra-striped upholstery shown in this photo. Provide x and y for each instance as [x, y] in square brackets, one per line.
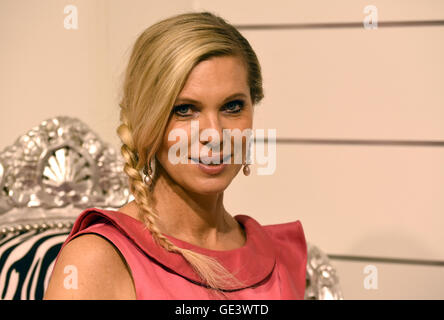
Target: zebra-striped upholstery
[51, 174]
[26, 259]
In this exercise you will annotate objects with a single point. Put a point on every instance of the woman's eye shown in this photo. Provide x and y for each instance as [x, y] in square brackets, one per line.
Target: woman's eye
[186, 110]
[181, 110]
[234, 106]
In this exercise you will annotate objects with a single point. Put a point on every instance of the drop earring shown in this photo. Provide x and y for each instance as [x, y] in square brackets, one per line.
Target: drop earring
[247, 162]
[246, 169]
[149, 172]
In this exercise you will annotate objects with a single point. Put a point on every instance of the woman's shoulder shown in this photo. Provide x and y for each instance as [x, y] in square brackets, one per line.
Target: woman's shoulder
[287, 239]
[289, 233]
[87, 261]
[113, 225]
[84, 268]
[130, 235]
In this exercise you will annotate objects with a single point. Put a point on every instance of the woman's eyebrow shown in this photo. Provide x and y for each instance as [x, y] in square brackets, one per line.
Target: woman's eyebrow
[189, 100]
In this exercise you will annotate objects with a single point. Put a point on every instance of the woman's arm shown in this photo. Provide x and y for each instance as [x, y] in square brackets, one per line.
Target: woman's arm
[90, 267]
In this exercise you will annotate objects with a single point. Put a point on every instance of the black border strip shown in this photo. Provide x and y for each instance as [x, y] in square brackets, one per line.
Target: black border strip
[340, 25]
[436, 263]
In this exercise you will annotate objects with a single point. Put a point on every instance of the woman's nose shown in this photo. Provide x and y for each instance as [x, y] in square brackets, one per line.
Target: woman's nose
[210, 129]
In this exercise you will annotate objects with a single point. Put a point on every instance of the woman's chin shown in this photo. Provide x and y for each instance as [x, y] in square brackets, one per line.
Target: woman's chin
[200, 182]
[209, 185]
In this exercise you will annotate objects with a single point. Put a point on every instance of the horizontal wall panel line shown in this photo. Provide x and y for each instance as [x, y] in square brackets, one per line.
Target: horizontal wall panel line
[340, 25]
[403, 143]
[387, 260]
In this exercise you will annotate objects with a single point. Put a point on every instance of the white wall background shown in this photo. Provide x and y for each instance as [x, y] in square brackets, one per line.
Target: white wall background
[362, 195]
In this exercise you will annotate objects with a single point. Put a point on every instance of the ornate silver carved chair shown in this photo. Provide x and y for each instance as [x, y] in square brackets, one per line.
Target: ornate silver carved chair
[322, 281]
[47, 177]
[52, 173]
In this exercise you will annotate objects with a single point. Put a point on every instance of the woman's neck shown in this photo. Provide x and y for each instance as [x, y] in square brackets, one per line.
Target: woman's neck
[194, 218]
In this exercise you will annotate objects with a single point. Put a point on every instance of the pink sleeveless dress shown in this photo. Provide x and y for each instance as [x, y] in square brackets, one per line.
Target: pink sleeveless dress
[271, 264]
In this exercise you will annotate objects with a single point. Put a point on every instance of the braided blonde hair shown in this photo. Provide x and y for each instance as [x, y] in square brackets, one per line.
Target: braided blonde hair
[161, 60]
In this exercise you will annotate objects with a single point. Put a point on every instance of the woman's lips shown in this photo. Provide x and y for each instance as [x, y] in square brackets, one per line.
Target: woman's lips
[211, 169]
[209, 161]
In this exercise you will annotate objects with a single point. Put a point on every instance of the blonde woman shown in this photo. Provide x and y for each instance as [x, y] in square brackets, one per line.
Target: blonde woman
[176, 240]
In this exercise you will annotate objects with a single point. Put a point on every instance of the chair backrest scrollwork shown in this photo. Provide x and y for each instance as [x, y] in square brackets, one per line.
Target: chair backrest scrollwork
[59, 163]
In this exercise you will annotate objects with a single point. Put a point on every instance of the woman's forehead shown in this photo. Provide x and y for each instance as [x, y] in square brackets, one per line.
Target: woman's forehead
[218, 76]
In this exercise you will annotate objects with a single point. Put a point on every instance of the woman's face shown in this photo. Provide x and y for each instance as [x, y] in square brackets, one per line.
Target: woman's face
[215, 97]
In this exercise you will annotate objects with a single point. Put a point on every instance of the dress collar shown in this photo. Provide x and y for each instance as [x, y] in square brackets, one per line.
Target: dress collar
[252, 263]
